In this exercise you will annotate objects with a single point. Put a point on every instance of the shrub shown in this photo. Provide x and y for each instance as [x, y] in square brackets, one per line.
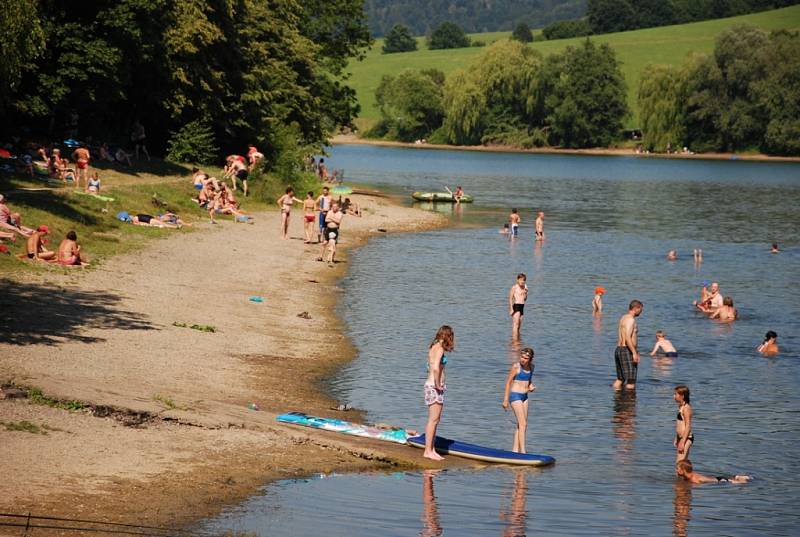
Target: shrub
[399, 39]
[567, 29]
[522, 33]
[192, 143]
[448, 35]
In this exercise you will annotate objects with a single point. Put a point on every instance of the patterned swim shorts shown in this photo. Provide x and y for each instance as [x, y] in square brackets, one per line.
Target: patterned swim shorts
[432, 395]
[626, 367]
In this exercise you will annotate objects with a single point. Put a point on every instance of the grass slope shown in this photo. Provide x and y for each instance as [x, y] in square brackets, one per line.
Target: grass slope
[635, 49]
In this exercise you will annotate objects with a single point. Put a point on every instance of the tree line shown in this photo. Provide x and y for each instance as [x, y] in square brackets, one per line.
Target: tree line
[606, 16]
[246, 71]
[510, 95]
[743, 96]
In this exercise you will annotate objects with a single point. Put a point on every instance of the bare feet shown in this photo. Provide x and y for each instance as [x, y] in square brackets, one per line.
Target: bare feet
[433, 456]
[630, 386]
[617, 385]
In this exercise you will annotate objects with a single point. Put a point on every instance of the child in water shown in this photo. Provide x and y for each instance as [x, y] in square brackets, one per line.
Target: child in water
[684, 438]
[518, 384]
[597, 301]
[686, 471]
[770, 344]
[435, 386]
[664, 345]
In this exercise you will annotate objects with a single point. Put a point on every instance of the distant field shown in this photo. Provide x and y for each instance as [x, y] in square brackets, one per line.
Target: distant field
[636, 49]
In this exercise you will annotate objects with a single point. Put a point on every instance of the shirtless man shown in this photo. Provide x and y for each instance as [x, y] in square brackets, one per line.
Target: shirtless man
[333, 221]
[514, 220]
[82, 157]
[236, 169]
[69, 251]
[540, 226]
[516, 303]
[626, 355]
[36, 249]
[323, 205]
[713, 302]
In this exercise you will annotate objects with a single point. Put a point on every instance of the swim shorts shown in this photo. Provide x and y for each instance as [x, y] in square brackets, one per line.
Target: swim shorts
[518, 308]
[432, 395]
[322, 221]
[515, 229]
[517, 396]
[328, 231]
[670, 354]
[242, 175]
[626, 368]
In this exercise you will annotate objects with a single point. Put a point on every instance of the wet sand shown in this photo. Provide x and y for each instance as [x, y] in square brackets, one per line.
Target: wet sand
[595, 151]
[167, 436]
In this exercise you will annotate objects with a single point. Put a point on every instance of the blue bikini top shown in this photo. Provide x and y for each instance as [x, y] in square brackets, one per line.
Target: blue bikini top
[443, 361]
[523, 375]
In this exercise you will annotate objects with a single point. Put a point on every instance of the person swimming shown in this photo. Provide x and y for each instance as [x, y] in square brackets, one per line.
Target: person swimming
[685, 470]
[770, 344]
[664, 345]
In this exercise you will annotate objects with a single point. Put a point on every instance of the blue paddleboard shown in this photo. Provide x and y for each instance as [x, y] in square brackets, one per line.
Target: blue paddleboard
[446, 446]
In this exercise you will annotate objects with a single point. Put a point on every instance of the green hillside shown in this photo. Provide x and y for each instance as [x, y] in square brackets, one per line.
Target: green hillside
[664, 45]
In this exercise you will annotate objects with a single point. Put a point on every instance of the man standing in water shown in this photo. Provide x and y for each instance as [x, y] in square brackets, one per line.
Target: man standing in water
[626, 355]
[540, 226]
[516, 303]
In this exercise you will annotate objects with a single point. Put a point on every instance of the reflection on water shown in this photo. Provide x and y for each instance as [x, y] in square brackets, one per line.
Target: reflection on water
[609, 223]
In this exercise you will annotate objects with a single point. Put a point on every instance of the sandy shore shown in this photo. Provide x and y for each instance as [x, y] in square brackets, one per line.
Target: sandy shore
[168, 436]
[344, 139]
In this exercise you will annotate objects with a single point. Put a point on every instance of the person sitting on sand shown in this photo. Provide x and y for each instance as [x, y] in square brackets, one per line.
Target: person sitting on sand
[351, 208]
[12, 221]
[672, 255]
[156, 221]
[122, 156]
[35, 246]
[597, 301]
[726, 312]
[770, 344]
[69, 251]
[199, 178]
[685, 470]
[664, 345]
[55, 165]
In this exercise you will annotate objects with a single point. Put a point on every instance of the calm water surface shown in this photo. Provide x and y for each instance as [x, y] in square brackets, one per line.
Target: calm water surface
[609, 222]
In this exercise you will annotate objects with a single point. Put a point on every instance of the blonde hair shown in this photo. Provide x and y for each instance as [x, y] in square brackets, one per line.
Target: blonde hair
[685, 466]
[446, 337]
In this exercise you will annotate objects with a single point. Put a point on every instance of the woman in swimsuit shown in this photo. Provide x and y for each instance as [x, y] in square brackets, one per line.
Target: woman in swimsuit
[309, 214]
[727, 312]
[285, 202]
[684, 438]
[518, 384]
[435, 386]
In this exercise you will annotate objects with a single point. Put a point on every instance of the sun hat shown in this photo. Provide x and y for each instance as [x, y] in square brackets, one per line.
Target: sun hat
[599, 290]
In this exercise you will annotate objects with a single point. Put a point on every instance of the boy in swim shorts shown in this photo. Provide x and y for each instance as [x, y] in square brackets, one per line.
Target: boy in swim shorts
[516, 303]
[664, 345]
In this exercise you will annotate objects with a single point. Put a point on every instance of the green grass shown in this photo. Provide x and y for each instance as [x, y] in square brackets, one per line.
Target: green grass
[100, 233]
[636, 49]
[199, 327]
[36, 397]
[168, 403]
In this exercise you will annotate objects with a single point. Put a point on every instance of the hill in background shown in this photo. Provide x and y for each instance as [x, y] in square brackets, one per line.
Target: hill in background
[421, 16]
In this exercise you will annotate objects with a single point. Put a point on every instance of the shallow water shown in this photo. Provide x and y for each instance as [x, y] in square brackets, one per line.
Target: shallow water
[609, 221]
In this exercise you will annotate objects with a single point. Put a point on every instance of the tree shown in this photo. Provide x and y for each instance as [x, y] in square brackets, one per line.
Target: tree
[522, 33]
[779, 94]
[652, 13]
[465, 107]
[567, 29]
[585, 96]
[411, 105]
[399, 39]
[661, 107]
[448, 35]
[607, 16]
[21, 42]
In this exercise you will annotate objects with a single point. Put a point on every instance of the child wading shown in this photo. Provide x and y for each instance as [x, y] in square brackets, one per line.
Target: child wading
[435, 386]
[518, 384]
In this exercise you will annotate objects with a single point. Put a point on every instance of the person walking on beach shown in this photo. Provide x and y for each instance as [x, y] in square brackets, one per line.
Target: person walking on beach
[309, 205]
[539, 226]
[285, 202]
[516, 303]
[333, 223]
[323, 206]
[435, 386]
[514, 220]
[626, 355]
[518, 384]
[684, 438]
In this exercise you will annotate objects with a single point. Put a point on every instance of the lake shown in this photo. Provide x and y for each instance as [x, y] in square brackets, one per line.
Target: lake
[609, 221]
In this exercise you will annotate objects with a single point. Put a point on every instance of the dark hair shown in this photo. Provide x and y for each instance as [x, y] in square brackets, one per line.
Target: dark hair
[514, 211]
[72, 236]
[727, 301]
[195, 170]
[310, 193]
[683, 390]
[446, 337]
[289, 189]
[770, 335]
[635, 304]
[527, 351]
[775, 245]
[522, 275]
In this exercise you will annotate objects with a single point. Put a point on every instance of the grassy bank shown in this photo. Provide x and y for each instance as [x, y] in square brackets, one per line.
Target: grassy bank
[636, 49]
[99, 231]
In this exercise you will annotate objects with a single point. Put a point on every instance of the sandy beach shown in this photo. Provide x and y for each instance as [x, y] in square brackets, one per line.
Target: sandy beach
[595, 151]
[166, 436]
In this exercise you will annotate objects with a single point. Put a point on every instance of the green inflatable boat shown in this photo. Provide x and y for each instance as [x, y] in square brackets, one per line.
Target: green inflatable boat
[441, 197]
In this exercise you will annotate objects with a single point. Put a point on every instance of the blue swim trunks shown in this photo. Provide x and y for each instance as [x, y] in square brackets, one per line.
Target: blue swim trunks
[517, 396]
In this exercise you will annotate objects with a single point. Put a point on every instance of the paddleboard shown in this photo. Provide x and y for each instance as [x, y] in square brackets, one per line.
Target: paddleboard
[446, 446]
[444, 197]
[396, 435]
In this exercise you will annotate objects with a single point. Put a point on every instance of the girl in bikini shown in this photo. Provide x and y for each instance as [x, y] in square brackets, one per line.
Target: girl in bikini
[435, 386]
[684, 438]
[309, 206]
[518, 384]
[285, 202]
